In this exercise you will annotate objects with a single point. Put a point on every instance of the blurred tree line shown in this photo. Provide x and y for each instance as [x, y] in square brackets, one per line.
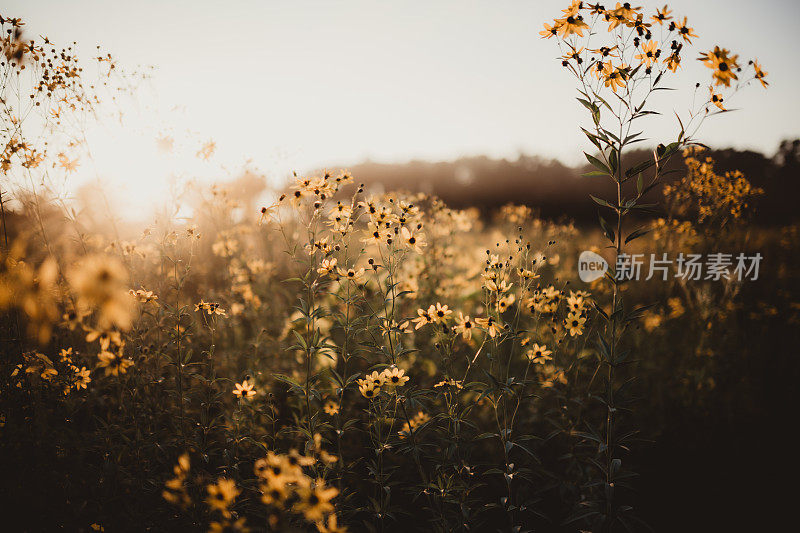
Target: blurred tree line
[560, 191]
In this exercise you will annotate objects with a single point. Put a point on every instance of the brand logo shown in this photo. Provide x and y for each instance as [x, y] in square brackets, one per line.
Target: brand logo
[591, 266]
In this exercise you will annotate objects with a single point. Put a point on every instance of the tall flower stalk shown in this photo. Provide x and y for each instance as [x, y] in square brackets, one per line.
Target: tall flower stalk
[618, 68]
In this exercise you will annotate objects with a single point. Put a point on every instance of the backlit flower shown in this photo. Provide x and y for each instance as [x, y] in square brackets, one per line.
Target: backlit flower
[685, 31]
[723, 65]
[327, 266]
[394, 376]
[715, 98]
[439, 313]
[331, 407]
[760, 73]
[573, 24]
[352, 274]
[574, 324]
[614, 77]
[98, 282]
[244, 390]
[330, 526]
[221, 495]
[649, 53]
[464, 326]
[490, 325]
[539, 354]
[113, 362]
[368, 389]
[412, 241]
[549, 31]
[662, 15]
[82, 378]
[315, 501]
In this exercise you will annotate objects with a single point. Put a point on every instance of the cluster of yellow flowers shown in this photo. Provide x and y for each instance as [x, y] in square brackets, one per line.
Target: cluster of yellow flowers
[435, 314]
[494, 281]
[544, 301]
[36, 365]
[576, 314]
[413, 424]
[391, 377]
[226, 244]
[317, 189]
[283, 481]
[682, 231]
[282, 484]
[615, 68]
[711, 194]
[394, 222]
[391, 229]
[143, 296]
[42, 83]
[98, 289]
[621, 17]
[32, 291]
[81, 376]
[210, 308]
[175, 488]
[220, 498]
[40, 369]
[441, 315]
[516, 215]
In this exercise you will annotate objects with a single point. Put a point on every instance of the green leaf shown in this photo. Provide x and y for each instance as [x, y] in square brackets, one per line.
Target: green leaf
[641, 167]
[286, 379]
[631, 137]
[636, 234]
[613, 161]
[600, 310]
[609, 233]
[593, 108]
[594, 173]
[300, 339]
[593, 138]
[602, 202]
[599, 165]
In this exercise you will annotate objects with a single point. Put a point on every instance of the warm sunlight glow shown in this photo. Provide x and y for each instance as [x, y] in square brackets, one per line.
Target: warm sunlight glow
[317, 266]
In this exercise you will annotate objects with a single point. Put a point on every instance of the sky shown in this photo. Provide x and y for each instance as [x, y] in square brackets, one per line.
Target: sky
[302, 84]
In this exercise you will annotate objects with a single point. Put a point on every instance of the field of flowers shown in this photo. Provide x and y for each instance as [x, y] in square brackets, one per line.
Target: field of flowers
[342, 360]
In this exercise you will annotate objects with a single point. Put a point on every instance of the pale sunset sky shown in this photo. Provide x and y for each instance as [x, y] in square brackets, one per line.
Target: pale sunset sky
[301, 84]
